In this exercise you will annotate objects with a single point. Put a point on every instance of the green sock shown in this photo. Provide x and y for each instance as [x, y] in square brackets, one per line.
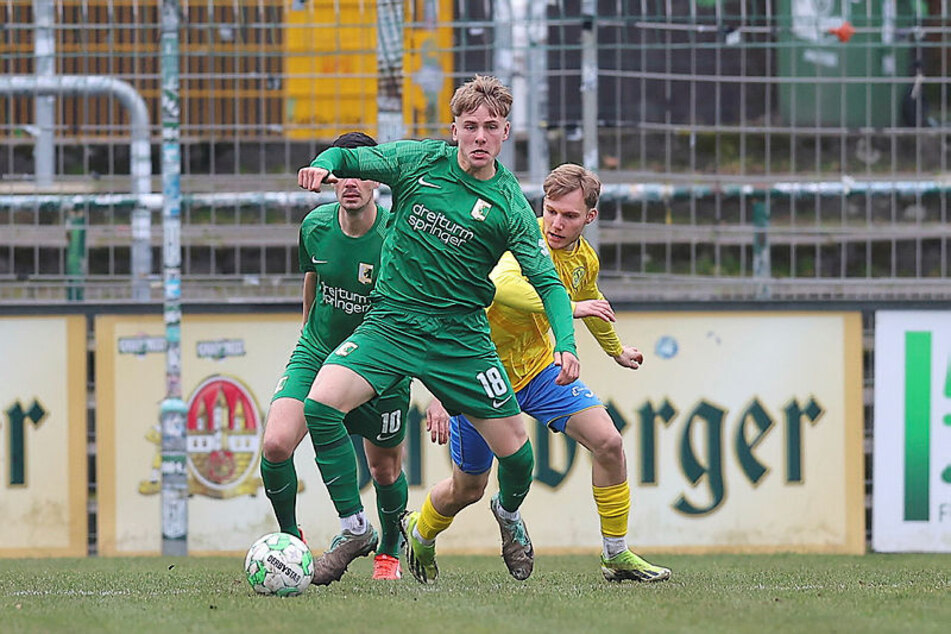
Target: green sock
[390, 504]
[335, 457]
[280, 486]
[515, 477]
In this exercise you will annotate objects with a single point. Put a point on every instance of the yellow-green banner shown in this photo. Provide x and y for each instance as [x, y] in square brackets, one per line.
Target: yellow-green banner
[43, 479]
[742, 433]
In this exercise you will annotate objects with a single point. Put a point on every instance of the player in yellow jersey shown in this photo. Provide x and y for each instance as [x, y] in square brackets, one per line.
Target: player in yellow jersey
[520, 332]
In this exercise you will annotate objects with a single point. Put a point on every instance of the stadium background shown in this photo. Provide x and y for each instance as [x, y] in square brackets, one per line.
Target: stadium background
[759, 159]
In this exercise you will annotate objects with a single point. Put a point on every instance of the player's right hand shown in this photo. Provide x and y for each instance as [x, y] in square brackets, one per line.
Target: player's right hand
[437, 422]
[311, 178]
[599, 308]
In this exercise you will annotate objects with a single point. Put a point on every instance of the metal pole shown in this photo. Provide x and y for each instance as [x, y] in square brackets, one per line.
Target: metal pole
[589, 101]
[504, 60]
[75, 254]
[762, 269]
[44, 47]
[389, 55]
[173, 410]
[538, 161]
[140, 159]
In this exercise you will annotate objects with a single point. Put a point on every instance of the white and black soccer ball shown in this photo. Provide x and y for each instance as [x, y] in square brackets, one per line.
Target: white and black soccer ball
[279, 564]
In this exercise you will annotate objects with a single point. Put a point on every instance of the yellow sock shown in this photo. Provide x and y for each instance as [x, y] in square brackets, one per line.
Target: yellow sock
[614, 506]
[431, 522]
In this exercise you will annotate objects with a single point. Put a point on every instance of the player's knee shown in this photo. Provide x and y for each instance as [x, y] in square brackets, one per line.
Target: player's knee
[609, 447]
[469, 490]
[277, 449]
[385, 474]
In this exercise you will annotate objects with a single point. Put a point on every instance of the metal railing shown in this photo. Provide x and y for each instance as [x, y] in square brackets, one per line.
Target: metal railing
[693, 113]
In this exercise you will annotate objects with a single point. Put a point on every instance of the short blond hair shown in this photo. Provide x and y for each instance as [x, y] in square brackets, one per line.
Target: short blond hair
[568, 177]
[482, 90]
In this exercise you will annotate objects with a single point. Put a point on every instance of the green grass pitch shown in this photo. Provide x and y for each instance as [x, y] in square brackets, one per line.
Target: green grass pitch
[708, 593]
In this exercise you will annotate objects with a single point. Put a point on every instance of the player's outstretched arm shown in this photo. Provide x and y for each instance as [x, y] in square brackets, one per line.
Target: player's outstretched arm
[437, 422]
[630, 357]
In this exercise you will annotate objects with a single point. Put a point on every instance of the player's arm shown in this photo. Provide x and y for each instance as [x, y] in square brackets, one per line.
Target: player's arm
[309, 293]
[604, 331]
[385, 163]
[309, 290]
[513, 290]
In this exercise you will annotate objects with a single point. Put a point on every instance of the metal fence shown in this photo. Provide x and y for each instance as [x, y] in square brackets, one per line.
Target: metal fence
[784, 149]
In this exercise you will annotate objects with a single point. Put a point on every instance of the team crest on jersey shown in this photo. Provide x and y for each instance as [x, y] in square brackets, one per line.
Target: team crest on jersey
[480, 209]
[345, 348]
[365, 274]
[577, 276]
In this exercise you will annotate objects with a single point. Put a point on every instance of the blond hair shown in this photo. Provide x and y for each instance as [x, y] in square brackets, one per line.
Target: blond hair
[568, 177]
[482, 90]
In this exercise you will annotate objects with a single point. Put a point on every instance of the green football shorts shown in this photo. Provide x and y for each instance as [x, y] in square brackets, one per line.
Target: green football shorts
[382, 420]
[452, 354]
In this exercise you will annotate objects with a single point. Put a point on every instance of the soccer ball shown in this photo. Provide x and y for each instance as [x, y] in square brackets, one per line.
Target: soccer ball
[279, 564]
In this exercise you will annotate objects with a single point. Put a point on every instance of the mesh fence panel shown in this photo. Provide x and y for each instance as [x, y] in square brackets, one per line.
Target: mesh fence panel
[748, 148]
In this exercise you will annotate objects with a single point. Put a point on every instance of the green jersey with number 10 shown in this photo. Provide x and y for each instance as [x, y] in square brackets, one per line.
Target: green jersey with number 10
[448, 230]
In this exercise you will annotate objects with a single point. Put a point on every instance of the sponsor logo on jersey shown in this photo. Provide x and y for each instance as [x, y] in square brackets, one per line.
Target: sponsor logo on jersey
[480, 209]
[316, 261]
[365, 274]
[280, 384]
[346, 348]
[436, 224]
[422, 181]
[577, 276]
[342, 299]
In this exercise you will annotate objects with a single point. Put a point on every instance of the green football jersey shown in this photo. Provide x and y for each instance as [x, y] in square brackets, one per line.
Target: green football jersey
[346, 269]
[448, 230]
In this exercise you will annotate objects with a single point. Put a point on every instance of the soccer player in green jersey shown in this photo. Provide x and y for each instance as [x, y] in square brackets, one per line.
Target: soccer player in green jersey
[456, 211]
[521, 336]
[340, 255]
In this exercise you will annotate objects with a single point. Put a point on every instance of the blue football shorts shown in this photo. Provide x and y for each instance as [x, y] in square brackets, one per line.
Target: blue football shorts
[542, 399]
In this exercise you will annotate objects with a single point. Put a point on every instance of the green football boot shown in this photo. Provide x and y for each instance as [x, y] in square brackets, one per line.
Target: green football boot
[628, 565]
[420, 559]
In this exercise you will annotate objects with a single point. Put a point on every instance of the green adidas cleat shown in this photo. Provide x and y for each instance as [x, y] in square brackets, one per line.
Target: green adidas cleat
[517, 551]
[420, 559]
[628, 565]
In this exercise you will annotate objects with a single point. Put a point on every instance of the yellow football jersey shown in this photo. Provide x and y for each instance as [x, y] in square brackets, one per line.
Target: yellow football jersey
[517, 316]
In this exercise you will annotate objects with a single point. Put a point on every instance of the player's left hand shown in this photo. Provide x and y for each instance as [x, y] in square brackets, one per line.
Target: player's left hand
[570, 368]
[631, 358]
[437, 422]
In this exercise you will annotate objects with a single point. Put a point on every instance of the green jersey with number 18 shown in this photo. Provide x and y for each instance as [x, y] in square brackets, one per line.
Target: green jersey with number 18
[346, 269]
[448, 230]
